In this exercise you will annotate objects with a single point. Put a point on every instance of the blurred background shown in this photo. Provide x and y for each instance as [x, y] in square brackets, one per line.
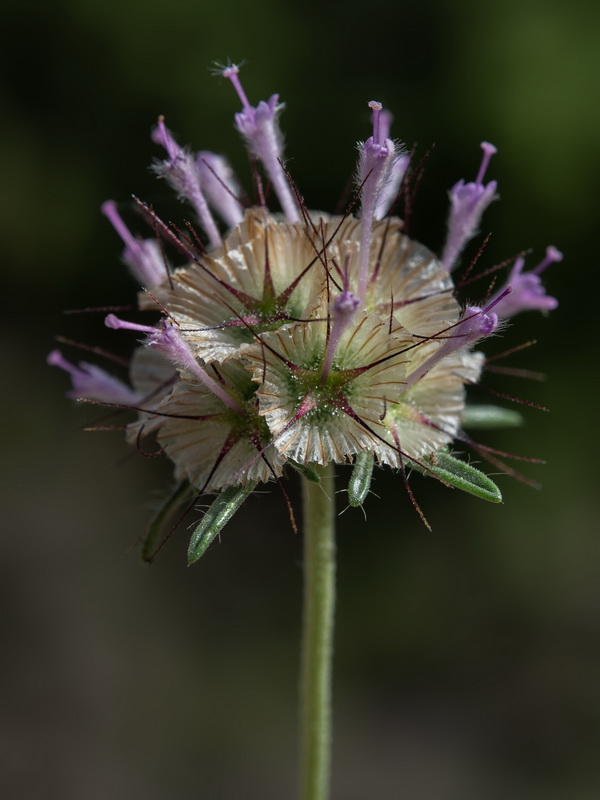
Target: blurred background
[467, 659]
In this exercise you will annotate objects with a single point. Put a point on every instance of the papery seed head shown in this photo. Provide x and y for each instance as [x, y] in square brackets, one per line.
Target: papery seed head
[301, 337]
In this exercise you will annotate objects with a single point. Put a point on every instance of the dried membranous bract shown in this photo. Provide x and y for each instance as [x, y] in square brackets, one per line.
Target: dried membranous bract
[294, 337]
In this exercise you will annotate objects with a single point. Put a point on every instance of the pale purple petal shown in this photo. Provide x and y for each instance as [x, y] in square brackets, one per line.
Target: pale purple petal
[259, 126]
[375, 166]
[180, 171]
[344, 308]
[92, 383]
[389, 191]
[468, 201]
[528, 292]
[220, 186]
[143, 256]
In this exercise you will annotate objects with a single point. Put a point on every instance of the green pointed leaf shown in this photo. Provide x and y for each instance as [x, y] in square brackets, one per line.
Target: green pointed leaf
[360, 480]
[158, 524]
[215, 519]
[306, 471]
[463, 476]
[486, 417]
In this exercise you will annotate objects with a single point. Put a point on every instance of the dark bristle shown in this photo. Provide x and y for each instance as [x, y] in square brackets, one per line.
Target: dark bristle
[281, 488]
[511, 351]
[222, 183]
[516, 372]
[511, 398]
[99, 351]
[153, 412]
[411, 184]
[463, 278]
[491, 270]
[141, 451]
[173, 529]
[100, 309]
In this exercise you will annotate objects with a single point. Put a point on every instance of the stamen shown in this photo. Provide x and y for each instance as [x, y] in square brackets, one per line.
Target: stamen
[109, 209]
[112, 321]
[376, 109]
[232, 72]
[488, 151]
[143, 256]
[553, 256]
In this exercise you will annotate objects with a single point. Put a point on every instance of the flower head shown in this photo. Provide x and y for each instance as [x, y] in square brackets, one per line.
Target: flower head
[303, 338]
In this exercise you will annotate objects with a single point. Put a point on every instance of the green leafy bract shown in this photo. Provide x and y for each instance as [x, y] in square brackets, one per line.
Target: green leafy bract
[360, 480]
[215, 519]
[488, 417]
[156, 528]
[306, 471]
[462, 476]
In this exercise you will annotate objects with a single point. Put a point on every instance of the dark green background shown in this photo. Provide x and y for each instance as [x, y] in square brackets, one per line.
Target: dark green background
[468, 660]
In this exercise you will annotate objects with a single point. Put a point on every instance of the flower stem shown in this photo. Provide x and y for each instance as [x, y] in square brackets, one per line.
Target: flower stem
[317, 634]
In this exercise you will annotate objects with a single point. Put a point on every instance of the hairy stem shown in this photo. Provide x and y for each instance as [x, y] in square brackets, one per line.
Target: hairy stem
[317, 634]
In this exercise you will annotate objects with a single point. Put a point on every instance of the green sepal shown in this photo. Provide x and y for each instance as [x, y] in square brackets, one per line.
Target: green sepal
[360, 479]
[487, 417]
[308, 472]
[462, 476]
[215, 519]
[156, 528]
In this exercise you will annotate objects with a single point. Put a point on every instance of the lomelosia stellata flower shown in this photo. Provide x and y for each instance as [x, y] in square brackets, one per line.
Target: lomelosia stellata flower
[296, 337]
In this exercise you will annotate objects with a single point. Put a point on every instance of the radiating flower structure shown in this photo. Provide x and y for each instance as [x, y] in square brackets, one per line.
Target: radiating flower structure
[299, 338]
